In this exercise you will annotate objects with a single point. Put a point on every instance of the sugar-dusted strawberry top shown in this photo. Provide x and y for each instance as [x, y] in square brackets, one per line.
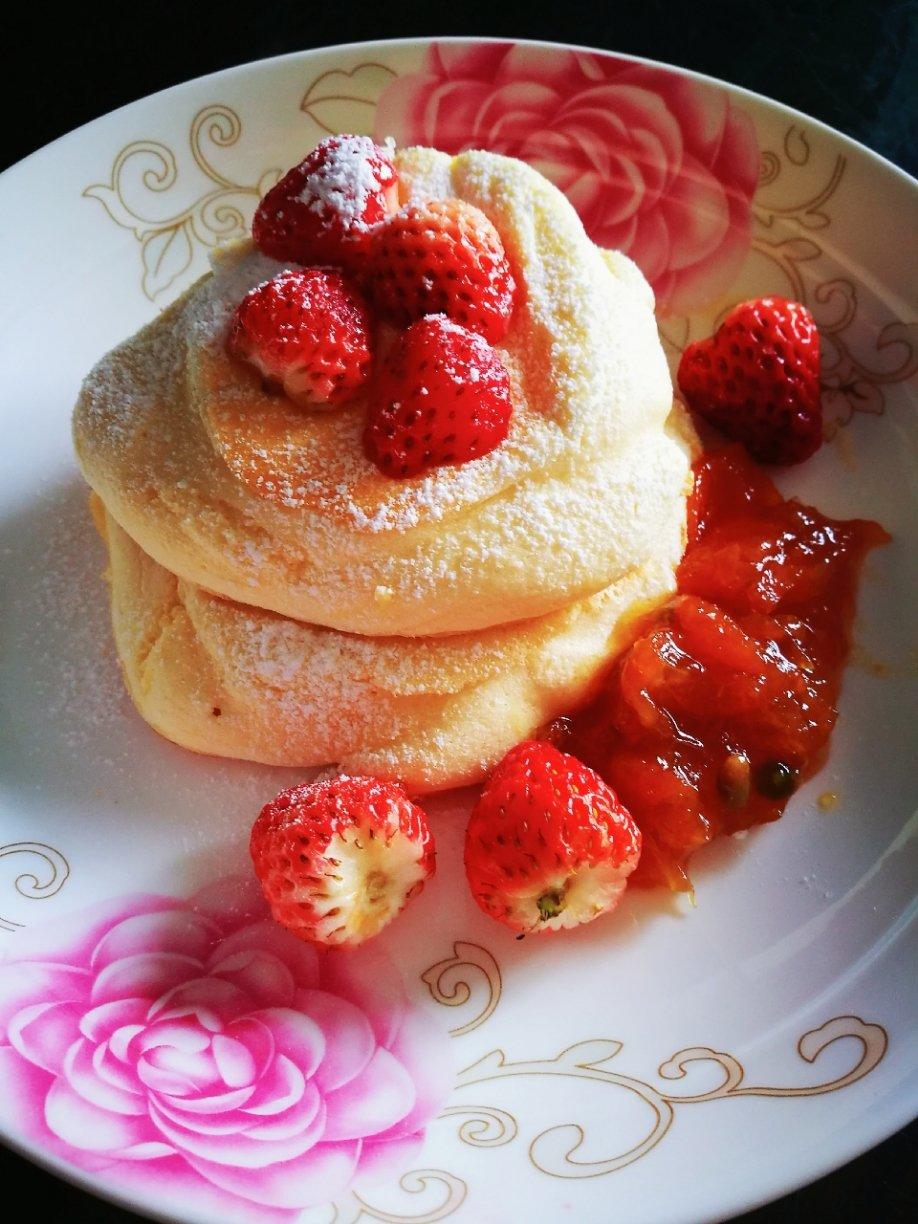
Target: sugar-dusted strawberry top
[443, 257]
[324, 209]
[308, 332]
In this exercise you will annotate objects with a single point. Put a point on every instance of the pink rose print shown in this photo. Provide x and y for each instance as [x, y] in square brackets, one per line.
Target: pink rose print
[658, 166]
[201, 1045]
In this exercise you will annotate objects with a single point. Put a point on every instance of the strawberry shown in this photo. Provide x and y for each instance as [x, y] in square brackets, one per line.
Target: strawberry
[548, 845]
[443, 257]
[324, 210]
[338, 859]
[308, 330]
[757, 379]
[442, 396]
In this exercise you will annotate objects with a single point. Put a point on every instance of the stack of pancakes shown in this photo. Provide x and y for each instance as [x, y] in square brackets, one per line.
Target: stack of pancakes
[276, 598]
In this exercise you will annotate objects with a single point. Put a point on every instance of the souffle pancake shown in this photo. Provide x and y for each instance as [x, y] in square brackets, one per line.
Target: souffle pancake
[234, 487]
[291, 582]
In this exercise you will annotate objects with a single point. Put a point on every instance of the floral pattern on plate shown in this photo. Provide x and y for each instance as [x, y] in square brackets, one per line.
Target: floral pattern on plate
[658, 166]
[199, 1038]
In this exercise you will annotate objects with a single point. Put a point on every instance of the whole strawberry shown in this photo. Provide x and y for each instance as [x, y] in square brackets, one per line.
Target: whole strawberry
[548, 845]
[757, 379]
[307, 330]
[325, 209]
[339, 859]
[443, 257]
[441, 397]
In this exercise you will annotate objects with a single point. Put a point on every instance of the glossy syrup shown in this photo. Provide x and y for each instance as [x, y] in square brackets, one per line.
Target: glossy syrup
[726, 698]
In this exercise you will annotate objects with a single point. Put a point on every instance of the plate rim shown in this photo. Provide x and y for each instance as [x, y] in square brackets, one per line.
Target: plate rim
[883, 162]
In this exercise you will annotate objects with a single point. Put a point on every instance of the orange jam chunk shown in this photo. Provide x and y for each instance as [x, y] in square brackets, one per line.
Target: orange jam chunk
[727, 696]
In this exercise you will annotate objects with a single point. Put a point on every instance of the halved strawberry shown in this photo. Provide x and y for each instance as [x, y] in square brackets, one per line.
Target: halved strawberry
[339, 859]
[757, 379]
[307, 330]
[443, 257]
[442, 397]
[548, 845]
[325, 209]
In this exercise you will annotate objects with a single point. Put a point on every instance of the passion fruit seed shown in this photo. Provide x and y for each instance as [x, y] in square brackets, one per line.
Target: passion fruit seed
[734, 780]
[776, 780]
[550, 904]
[558, 731]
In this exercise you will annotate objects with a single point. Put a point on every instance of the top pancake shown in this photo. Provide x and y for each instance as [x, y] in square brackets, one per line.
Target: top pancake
[238, 490]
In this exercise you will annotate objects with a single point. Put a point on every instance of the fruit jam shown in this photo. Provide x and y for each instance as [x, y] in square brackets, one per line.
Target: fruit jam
[726, 698]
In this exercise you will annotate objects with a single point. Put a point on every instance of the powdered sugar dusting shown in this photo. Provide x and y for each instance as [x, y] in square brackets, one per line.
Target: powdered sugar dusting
[74, 668]
[121, 393]
[350, 174]
[433, 712]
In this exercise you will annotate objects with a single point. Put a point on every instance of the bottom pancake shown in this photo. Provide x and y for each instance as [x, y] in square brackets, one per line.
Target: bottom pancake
[220, 677]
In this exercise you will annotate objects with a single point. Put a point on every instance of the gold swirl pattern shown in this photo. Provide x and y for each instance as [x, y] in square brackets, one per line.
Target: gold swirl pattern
[872, 1038]
[850, 383]
[554, 1151]
[484, 1126]
[145, 186]
[54, 872]
[769, 167]
[440, 1194]
[346, 101]
[448, 986]
[808, 214]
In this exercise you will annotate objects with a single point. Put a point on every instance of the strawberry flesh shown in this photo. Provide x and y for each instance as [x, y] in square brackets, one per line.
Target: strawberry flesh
[307, 330]
[441, 397]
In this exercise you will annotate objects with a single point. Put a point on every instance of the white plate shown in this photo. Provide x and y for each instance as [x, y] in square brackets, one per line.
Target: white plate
[666, 1064]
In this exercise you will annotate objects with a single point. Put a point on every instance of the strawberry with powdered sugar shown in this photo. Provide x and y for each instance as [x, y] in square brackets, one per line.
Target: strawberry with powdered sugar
[325, 209]
[339, 859]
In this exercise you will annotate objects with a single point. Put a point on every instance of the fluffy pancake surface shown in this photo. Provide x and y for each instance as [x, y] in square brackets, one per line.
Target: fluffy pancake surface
[235, 490]
[219, 677]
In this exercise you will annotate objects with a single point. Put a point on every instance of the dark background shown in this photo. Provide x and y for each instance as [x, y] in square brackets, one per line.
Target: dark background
[849, 63]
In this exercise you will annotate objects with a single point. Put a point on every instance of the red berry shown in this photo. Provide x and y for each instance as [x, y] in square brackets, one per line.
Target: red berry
[443, 257]
[339, 859]
[757, 379]
[548, 845]
[307, 330]
[442, 396]
[325, 209]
